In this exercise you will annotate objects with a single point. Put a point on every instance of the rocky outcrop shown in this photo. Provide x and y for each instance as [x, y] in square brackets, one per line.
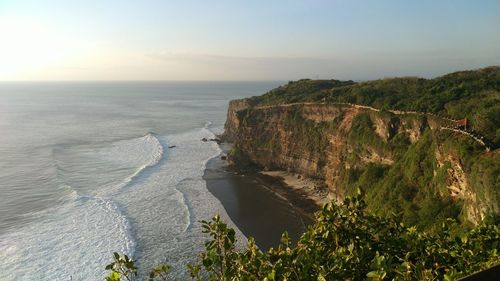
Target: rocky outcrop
[348, 146]
[233, 120]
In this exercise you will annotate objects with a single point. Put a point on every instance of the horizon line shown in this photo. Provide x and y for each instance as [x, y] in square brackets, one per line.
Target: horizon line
[73, 81]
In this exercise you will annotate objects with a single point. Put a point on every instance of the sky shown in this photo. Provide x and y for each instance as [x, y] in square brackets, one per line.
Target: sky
[245, 40]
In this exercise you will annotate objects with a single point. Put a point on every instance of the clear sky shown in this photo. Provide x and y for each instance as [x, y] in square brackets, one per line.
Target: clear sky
[245, 40]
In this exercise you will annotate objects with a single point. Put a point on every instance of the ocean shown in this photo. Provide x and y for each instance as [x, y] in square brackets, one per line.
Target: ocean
[89, 168]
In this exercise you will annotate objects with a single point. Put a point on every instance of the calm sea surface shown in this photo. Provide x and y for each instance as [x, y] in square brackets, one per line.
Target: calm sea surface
[86, 170]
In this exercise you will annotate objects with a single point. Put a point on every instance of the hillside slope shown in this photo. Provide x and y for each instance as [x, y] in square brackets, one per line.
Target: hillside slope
[399, 140]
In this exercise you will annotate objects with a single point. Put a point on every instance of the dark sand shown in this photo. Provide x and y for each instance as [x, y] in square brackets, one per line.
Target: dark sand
[256, 205]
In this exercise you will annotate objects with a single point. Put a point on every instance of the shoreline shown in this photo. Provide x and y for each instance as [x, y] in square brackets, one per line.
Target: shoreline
[295, 185]
[275, 182]
[261, 206]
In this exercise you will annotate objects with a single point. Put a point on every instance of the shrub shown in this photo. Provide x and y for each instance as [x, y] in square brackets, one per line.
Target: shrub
[347, 243]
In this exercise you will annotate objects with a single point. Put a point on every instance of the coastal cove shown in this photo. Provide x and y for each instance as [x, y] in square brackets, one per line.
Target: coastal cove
[413, 146]
[249, 140]
[143, 174]
[260, 206]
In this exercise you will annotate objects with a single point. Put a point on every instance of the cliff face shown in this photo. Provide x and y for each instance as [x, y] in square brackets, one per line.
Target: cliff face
[406, 163]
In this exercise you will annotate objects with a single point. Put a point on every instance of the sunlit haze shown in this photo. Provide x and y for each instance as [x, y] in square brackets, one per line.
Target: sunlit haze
[244, 40]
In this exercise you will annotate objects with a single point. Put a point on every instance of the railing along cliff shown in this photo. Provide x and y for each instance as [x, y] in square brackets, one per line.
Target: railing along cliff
[451, 127]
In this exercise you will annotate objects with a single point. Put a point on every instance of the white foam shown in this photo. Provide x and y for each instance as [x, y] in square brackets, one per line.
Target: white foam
[110, 167]
[162, 207]
[145, 151]
[216, 130]
[76, 240]
[177, 199]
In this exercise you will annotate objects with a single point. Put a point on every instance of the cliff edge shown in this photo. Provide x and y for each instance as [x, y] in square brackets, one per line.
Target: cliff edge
[424, 149]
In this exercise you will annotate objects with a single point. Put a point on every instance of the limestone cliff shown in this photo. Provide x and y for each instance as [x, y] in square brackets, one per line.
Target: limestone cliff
[406, 162]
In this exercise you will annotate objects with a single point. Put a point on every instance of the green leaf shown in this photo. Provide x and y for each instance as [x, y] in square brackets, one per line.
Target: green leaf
[114, 276]
[271, 275]
[207, 262]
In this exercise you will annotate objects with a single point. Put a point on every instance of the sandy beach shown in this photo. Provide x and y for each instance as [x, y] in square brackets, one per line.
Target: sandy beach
[302, 186]
[260, 205]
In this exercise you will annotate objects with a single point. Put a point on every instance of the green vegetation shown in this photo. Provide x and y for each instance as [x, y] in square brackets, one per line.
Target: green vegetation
[404, 163]
[362, 132]
[297, 91]
[412, 186]
[309, 134]
[431, 209]
[345, 243]
[237, 155]
[471, 94]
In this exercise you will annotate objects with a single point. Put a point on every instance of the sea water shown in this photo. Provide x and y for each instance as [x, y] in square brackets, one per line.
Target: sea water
[92, 168]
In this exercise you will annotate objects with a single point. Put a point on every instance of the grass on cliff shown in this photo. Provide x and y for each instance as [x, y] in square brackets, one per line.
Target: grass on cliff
[409, 187]
[346, 242]
[414, 186]
[472, 94]
[308, 134]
